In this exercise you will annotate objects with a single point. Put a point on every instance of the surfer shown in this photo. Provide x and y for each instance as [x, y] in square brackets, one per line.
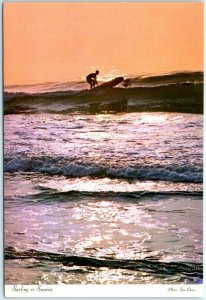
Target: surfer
[92, 79]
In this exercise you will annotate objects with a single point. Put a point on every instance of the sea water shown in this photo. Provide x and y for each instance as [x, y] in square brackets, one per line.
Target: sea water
[103, 197]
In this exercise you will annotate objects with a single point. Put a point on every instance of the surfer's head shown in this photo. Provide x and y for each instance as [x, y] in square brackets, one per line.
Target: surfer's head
[97, 72]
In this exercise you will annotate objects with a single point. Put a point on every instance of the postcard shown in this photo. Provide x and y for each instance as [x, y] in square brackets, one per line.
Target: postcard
[103, 149]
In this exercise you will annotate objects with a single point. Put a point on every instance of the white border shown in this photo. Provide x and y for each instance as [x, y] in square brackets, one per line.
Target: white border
[92, 291]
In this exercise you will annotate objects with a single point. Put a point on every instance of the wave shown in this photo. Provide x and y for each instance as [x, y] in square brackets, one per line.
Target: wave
[147, 265]
[165, 79]
[135, 81]
[61, 166]
[48, 194]
[179, 92]
[47, 87]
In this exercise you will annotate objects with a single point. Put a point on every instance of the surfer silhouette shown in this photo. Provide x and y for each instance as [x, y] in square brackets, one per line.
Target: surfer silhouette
[92, 79]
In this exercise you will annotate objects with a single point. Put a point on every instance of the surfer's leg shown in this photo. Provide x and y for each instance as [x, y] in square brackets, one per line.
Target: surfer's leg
[92, 84]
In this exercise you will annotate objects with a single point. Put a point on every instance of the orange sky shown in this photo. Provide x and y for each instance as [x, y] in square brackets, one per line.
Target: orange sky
[47, 42]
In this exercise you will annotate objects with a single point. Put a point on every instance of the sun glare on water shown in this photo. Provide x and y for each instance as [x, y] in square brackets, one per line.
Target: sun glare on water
[104, 75]
[154, 118]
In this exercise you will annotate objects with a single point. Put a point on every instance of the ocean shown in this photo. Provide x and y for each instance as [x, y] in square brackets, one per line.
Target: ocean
[104, 187]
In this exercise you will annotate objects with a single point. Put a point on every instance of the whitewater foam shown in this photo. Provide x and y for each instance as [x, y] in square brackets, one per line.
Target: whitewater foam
[59, 166]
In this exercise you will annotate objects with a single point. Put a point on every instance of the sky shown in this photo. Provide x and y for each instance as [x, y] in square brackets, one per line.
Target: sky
[59, 41]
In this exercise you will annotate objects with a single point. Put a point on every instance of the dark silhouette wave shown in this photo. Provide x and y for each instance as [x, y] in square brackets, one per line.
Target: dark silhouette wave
[178, 92]
[146, 265]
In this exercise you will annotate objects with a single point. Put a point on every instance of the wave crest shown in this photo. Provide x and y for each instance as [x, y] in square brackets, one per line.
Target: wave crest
[61, 166]
[178, 92]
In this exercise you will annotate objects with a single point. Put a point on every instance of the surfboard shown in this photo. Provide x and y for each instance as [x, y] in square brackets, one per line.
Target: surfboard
[110, 84]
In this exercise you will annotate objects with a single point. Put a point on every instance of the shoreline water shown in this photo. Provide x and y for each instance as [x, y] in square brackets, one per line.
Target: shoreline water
[60, 203]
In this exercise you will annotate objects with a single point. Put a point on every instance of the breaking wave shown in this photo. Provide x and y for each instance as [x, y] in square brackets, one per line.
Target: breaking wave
[61, 166]
[176, 92]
